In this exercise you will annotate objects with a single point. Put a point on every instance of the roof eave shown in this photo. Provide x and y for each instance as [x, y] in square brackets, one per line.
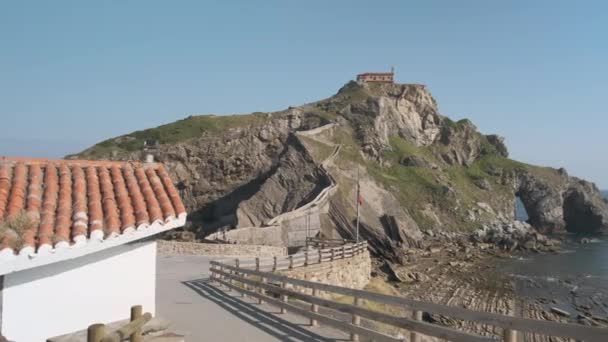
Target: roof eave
[24, 262]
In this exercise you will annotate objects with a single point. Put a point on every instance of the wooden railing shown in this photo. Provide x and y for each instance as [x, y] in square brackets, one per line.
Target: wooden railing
[131, 330]
[258, 281]
[305, 258]
[322, 243]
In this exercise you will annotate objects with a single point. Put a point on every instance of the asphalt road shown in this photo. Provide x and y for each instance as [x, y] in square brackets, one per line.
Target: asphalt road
[203, 312]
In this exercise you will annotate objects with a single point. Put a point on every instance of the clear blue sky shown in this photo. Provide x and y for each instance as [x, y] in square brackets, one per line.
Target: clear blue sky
[75, 72]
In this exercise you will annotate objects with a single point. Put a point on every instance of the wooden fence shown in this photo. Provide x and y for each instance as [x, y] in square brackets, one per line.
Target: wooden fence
[131, 330]
[255, 278]
[322, 243]
[305, 258]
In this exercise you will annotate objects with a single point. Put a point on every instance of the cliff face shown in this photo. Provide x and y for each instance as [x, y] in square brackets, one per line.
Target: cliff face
[419, 170]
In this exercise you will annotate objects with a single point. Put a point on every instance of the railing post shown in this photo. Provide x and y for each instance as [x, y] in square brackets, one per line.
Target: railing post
[417, 316]
[343, 252]
[509, 335]
[306, 257]
[332, 254]
[356, 321]
[283, 298]
[136, 312]
[263, 281]
[291, 262]
[257, 264]
[96, 332]
[314, 308]
[237, 265]
[274, 264]
[320, 256]
[219, 276]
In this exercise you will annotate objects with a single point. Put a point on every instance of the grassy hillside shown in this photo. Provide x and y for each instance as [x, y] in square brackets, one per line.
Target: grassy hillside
[178, 131]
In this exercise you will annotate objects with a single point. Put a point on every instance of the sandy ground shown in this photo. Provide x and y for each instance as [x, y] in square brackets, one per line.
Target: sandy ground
[202, 312]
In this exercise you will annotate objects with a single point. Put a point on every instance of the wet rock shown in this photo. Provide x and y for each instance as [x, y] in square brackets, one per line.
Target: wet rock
[401, 274]
[560, 312]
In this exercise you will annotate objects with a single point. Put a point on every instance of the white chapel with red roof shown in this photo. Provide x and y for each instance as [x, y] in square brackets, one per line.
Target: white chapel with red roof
[75, 246]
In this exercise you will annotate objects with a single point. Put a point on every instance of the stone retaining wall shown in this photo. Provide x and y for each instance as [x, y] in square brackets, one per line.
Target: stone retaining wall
[196, 248]
[352, 272]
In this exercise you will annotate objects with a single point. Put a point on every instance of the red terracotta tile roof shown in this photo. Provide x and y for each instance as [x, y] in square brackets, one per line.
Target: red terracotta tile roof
[68, 202]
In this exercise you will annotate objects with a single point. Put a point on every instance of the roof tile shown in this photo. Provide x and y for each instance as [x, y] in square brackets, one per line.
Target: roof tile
[67, 200]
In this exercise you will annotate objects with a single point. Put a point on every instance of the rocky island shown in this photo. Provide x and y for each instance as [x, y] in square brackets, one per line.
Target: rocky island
[438, 196]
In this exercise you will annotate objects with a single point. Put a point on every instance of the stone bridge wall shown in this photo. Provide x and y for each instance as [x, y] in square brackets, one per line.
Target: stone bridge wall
[352, 272]
[196, 248]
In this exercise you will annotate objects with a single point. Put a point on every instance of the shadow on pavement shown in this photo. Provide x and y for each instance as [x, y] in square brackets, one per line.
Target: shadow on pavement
[252, 314]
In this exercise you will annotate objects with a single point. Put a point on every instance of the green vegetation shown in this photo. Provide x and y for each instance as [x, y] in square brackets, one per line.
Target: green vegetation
[178, 131]
[450, 188]
[459, 125]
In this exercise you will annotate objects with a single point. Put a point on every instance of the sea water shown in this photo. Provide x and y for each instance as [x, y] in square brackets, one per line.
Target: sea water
[577, 275]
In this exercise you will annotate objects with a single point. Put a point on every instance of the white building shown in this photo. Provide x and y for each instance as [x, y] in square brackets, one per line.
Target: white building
[73, 247]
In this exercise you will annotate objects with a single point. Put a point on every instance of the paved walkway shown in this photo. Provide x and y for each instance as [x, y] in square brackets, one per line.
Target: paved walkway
[202, 312]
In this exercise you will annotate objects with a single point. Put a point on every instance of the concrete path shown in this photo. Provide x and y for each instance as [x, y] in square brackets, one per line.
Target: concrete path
[202, 312]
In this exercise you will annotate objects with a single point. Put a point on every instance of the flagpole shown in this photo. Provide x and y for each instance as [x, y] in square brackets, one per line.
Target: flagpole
[358, 203]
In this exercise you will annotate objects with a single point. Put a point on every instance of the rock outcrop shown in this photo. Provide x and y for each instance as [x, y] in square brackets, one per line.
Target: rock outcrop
[559, 203]
[379, 112]
[296, 181]
[513, 235]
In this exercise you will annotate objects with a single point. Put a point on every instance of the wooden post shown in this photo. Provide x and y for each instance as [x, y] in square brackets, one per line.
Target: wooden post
[237, 264]
[291, 262]
[320, 256]
[219, 276]
[229, 280]
[509, 335]
[212, 275]
[356, 321]
[263, 281]
[343, 252]
[306, 257]
[283, 298]
[136, 312]
[416, 315]
[314, 308]
[332, 254]
[96, 332]
[257, 264]
[274, 264]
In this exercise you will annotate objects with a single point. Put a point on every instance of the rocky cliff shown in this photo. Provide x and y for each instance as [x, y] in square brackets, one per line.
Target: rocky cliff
[419, 170]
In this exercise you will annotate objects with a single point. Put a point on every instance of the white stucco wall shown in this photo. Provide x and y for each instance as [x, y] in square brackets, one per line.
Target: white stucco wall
[67, 296]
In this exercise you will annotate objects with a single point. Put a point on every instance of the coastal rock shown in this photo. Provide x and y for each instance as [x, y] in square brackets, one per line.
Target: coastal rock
[557, 202]
[512, 235]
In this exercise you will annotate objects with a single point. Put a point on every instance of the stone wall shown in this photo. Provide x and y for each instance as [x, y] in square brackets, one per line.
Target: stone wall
[352, 272]
[291, 232]
[195, 248]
